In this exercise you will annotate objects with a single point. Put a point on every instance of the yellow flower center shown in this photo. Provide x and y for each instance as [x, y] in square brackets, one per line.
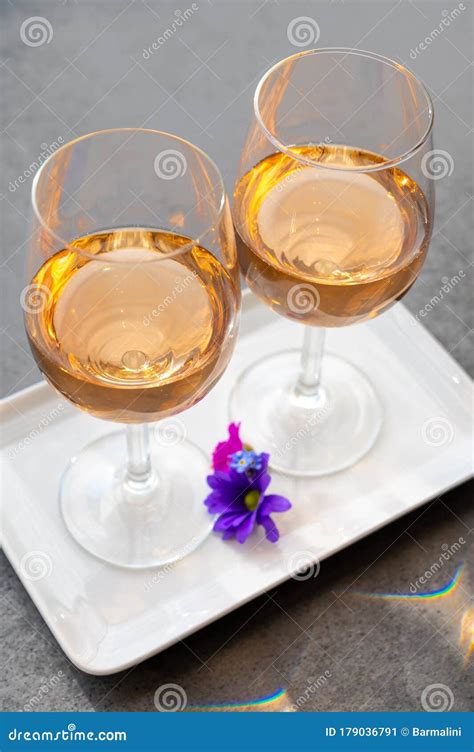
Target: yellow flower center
[251, 500]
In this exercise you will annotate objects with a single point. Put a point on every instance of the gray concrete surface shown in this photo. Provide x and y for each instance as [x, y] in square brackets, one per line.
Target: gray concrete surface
[93, 75]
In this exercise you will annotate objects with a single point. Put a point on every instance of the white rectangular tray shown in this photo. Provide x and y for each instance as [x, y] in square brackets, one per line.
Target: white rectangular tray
[107, 619]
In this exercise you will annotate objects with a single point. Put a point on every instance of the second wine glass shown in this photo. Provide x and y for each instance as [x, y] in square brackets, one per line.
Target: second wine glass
[333, 206]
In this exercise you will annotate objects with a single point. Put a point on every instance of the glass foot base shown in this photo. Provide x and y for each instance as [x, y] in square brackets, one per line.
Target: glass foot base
[119, 525]
[306, 435]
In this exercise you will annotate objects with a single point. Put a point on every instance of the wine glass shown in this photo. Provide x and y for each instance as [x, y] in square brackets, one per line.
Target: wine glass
[131, 313]
[333, 206]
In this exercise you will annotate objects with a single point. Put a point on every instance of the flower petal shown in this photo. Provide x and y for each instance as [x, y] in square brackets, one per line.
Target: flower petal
[274, 503]
[271, 530]
[245, 528]
[224, 501]
[214, 506]
[264, 457]
[220, 456]
[217, 504]
[234, 429]
[219, 479]
[230, 533]
[229, 520]
[261, 481]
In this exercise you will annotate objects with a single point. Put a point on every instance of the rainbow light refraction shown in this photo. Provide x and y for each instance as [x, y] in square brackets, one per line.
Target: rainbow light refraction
[466, 637]
[442, 592]
[263, 703]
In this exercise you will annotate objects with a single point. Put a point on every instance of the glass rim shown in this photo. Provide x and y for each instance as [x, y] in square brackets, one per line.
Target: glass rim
[68, 244]
[286, 149]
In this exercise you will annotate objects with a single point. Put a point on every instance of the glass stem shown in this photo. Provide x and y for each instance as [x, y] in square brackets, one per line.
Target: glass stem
[308, 384]
[139, 470]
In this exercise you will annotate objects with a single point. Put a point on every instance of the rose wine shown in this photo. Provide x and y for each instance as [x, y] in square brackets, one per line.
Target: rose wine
[136, 325]
[330, 247]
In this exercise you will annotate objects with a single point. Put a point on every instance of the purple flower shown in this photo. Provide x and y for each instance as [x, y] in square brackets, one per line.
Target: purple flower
[240, 501]
[224, 450]
[245, 460]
